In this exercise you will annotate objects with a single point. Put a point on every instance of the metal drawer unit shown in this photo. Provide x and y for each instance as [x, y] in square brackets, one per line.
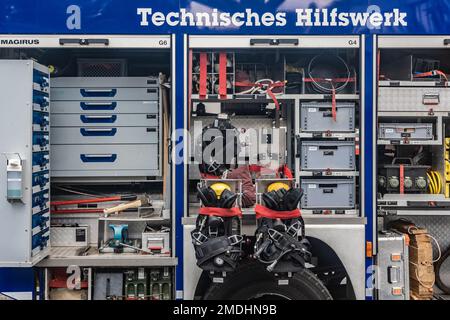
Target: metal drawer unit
[328, 193]
[111, 160]
[24, 169]
[398, 131]
[105, 135]
[414, 99]
[393, 269]
[105, 107]
[326, 155]
[106, 127]
[317, 117]
[106, 120]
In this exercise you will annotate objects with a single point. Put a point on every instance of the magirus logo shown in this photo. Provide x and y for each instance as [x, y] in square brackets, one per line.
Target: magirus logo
[19, 41]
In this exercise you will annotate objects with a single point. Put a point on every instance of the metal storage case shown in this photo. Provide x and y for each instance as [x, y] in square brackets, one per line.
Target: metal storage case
[393, 269]
[413, 99]
[323, 155]
[328, 193]
[398, 131]
[25, 163]
[106, 127]
[317, 117]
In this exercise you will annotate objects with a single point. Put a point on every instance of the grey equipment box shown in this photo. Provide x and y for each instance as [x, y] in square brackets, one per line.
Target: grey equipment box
[317, 117]
[24, 163]
[328, 193]
[323, 155]
[400, 131]
[108, 285]
[413, 99]
[393, 271]
[70, 236]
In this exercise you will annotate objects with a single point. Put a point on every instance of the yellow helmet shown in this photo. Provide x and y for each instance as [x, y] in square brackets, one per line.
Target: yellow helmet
[219, 187]
[277, 186]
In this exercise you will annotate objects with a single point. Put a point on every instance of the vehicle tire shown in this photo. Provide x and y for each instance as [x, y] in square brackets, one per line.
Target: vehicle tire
[252, 281]
[443, 285]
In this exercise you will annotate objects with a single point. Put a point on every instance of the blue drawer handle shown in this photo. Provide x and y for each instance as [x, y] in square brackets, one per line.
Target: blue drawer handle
[98, 157]
[98, 92]
[98, 105]
[98, 132]
[98, 119]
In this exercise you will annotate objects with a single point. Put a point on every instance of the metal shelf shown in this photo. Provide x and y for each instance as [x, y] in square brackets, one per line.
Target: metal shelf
[318, 173]
[132, 216]
[409, 142]
[65, 256]
[331, 135]
[331, 212]
[262, 97]
[422, 213]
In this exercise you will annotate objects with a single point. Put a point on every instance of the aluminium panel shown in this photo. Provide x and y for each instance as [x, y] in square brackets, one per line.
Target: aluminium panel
[104, 135]
[418, 99]
[105, 82]
[393, 270]
[111, 93]
[236, 41]
[104, 107]
[111, 160]
[24, 222]
[104, 120]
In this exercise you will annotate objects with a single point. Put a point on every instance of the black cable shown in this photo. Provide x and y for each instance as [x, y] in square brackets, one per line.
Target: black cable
[441, 285]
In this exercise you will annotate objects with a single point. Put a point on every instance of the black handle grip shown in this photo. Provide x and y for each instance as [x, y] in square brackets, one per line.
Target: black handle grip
[328, 185]
[446, 42]
[273, 42]
[83, 42]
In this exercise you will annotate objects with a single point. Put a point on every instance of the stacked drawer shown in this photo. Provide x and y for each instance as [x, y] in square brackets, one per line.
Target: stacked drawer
[327, 165]
[105, 127]
[40, 179]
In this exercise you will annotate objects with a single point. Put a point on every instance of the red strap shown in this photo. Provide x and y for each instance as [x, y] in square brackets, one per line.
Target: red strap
[264, 212]
[333, 104]
[209, 176]
[402, 179]
[220, 212]
[202, 80]
[223, 75]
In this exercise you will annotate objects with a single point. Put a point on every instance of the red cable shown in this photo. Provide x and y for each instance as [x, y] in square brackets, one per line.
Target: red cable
[333, 103]
[202, 80]
[223, 75]
[57, 211]
[80, 201]
[402, 179]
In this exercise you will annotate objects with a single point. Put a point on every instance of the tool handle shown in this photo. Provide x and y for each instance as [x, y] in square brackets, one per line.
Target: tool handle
[123, 206]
